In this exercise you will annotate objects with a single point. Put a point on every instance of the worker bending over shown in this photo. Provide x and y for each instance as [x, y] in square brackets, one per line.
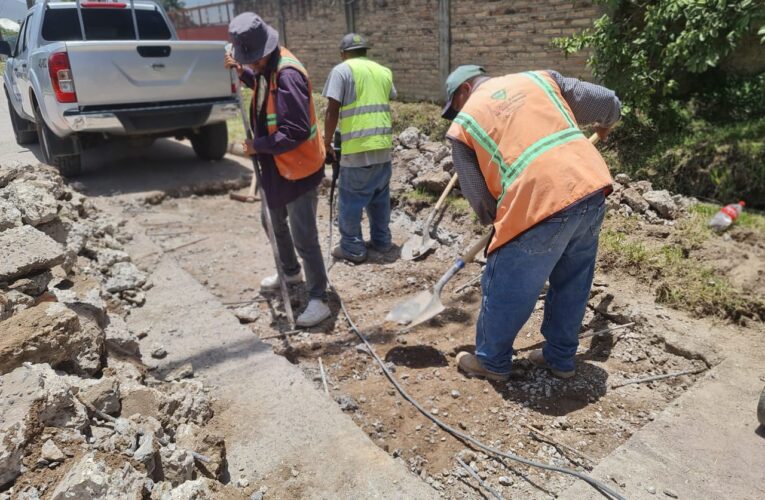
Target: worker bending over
[290, 151]
[358, 93]
[525, 167]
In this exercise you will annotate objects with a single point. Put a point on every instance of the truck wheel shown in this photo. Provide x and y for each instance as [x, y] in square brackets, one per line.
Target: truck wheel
[211, 142]
[68, 164]
[761, 408]
[24, 130]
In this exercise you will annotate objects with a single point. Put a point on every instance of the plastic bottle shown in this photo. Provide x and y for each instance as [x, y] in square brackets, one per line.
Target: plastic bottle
[725, 217]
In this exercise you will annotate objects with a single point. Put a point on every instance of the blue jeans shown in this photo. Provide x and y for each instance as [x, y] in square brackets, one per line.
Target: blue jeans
[562, 249]
[364, 188]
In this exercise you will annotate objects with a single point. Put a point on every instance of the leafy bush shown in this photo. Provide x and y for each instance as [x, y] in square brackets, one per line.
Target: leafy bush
[660, 54]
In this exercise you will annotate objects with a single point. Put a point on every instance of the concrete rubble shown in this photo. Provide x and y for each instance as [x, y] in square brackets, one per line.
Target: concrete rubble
[75, 394]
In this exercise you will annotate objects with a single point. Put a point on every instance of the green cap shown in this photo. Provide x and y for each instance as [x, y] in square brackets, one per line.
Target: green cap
[454, 80]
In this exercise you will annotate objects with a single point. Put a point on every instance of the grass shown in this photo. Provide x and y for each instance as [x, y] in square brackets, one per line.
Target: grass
[681, 281]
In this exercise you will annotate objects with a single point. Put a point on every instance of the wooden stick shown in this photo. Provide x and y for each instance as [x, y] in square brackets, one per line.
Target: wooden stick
[658, 377]
[611, 329]
[99, 413]
[550, 440]
[323, 377]
[186, 244]
[480, 481]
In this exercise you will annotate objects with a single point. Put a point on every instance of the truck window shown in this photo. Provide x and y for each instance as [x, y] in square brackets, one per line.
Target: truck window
[19, 39]
[28, 33]
[62, 25]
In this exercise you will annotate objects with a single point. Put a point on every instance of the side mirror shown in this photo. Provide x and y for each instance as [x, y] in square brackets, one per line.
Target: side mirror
[5, 48]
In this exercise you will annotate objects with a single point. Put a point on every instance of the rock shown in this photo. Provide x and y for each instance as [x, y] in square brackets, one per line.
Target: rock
[437, 151]
[642, 187]
[119, 337]
[184, 371]
[145, 452]
[187, 402]
[651, 490]
[505, 481]
[247, 314]
[409, 138]
[37, 205]
[133, 297]
[634, 199]
[662, 203]
[144, 400]
[623, 179]
[433, 181]
[619, 310]
[670, 493]
[26, 250]
[124, 276]
[104, 395]
[243, 482]
[177, 465]
[199, 489]
[9, 172]
[158, 351]
[256, 496]
[33, 397]
[211, 445]
[10, 216]
[13, 302]
[447, 165]
[455, 393]
[347, 403]
[91, 478]
[106, 257]
[50, 333]
[34, 285]
[51, 452]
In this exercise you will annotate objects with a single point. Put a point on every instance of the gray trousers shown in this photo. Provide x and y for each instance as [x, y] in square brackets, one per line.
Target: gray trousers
[295, 229]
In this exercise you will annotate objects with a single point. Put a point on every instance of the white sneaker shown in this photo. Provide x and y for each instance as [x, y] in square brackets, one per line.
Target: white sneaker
[316, 312]
[272, 282]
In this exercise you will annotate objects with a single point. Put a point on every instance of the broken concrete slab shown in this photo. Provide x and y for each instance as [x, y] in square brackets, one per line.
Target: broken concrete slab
[176, 464]
[662, 203]
[119, 337]
[432, 181]
[124, 276]
[104, 395]
[33, 285]
[634, 199]
[210, 444]
[10, 216]
[37, 205]
[409, 138]
[91, 478]
[26, 250]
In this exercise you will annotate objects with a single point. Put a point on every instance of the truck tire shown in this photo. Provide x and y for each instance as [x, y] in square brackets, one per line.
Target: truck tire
[211, 142]
[24, 130]
[51, 145]
[761, 409]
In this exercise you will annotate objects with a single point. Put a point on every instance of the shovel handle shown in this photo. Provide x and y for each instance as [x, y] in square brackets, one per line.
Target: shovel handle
[460, 263]
[594, 139]
[446, 192]
[477, 247]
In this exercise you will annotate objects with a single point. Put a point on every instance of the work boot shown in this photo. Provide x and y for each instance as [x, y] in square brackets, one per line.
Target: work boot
[472, 367]
[271, 283]
[339, 253]
[316, 312]
[376, 248]
[537, 357]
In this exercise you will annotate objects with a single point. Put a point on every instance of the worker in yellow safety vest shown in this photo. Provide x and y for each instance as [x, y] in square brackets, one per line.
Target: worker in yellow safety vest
[527, 169]
[359, 91]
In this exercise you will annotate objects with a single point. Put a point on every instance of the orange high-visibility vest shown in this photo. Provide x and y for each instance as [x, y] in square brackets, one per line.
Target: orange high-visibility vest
[309, 157]
[535, 160]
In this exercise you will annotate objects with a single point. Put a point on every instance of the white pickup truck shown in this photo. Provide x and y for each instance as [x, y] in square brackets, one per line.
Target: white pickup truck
[83, 72]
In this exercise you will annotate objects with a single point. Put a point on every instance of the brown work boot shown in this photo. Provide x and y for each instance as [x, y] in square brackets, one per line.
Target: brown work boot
[472, 367]
[538, 359]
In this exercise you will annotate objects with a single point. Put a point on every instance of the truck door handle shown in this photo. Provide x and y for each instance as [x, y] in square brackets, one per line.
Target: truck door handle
[153, 50]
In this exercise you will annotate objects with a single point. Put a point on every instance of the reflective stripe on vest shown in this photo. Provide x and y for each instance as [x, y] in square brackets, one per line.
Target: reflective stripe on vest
[365, 124]
[309, 156]
[532, 155]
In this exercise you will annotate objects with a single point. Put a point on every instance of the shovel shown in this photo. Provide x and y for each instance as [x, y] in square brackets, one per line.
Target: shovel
[427, 304]
[417, 246]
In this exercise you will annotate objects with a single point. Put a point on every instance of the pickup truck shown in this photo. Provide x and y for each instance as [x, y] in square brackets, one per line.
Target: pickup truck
[83, 72]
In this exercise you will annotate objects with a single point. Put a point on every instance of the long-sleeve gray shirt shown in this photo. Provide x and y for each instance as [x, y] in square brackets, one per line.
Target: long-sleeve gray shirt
[590, 103]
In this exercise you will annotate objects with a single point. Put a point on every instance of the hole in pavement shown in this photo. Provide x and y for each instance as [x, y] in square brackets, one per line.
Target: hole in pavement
[416, 356]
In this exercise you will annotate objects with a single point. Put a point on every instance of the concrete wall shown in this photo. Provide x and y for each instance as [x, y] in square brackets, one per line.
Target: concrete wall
[420, 40]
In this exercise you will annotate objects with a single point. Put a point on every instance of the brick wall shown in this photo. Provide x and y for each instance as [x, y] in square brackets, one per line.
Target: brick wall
[504, 36]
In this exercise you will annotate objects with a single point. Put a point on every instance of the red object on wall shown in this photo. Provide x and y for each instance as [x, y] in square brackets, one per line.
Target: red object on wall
[204, 33]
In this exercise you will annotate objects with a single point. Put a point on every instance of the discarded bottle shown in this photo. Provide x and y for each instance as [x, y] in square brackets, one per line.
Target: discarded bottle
[725, 217]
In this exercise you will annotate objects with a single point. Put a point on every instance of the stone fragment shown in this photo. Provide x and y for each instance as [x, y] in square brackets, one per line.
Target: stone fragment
[347, 403]
[187, 402]
[33, 397]
[26, 250]
[633, 199]
[10, 216]
[90, 478]
[433, 181]
[247, 314]
[177, 465]
[158, 351]
[144, 400]
[124, 276]
[37, 205]
[184, 371]
[409, 138]
[9, 172]
[455, 393]
[104, 395]
[119, 337]
[51, 452]
[642, 187]
[662, 203]
[34, 285]
[106, 257]
[670, 493]
[437, 150]
[505, 481]
[50, 333]
[145, 452]
[211, 445]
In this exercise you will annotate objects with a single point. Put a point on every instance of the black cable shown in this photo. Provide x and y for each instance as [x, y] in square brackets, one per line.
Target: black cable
[598, 485]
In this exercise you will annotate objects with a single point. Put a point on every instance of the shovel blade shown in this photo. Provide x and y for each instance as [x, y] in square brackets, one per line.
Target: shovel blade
[416, 247]
[417, 309]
